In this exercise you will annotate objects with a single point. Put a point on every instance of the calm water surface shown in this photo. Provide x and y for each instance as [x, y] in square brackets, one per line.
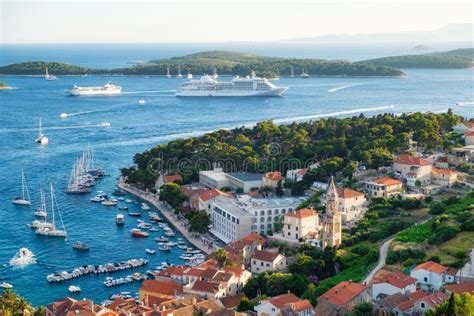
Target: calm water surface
[135, 128]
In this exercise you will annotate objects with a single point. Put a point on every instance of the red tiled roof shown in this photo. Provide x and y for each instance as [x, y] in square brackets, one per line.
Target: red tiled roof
[210, 194]
[205, 286]
[266, 256]
[222, 277]
[253, 194]
[464, 287]
[304, 212]
[231, 301]
[387, 181]
[301, 306]
[343, 293]
[237, 271]
[431, 266]
[417, 295]
[161, 287]
[194, 272]
[281, 300]
[211, 263]
[434, 299]
[410, 160]
[69, 306]
[302, 172]
[406, 305]
[274, 176]
[445, 171]
[346, 193]
[173, 178]
[468, 124]
[451, 271]
[178, 270]
[397, 279]
[254, 237]
[470, 133]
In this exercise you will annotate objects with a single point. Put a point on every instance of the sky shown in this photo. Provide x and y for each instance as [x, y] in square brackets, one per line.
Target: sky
[155, 21]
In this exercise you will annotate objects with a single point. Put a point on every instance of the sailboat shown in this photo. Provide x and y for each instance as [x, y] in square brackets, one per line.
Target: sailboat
[41, 210]
[25, 195]
[179, 75]
[304, 75]
[53, 231]
[168, 72]
[190, 75]
[49, 77]
[43, 140]
[292, 72]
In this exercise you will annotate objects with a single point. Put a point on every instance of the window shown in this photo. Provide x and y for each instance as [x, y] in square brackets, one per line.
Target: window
[269, 212]
[425, 279]
[423, 305]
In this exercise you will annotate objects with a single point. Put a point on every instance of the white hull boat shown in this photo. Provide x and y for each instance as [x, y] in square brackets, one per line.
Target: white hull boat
[25, 194]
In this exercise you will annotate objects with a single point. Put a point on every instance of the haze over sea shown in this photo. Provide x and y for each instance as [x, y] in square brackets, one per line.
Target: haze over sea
[135, 128]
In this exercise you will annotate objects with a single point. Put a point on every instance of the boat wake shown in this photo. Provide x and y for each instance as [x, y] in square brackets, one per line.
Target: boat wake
[344, 87]
[467, 103]
[316, 116]
[23, 257]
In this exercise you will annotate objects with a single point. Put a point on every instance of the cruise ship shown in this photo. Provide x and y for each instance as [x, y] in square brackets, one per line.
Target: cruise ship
[250, 86]
[108, 90]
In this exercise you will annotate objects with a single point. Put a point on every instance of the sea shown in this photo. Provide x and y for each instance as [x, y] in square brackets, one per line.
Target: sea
[135, 128]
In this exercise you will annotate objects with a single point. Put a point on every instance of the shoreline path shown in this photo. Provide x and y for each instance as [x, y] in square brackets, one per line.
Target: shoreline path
[167, 212]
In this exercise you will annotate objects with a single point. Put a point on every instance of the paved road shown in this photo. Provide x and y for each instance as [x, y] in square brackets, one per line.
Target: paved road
[382, 257]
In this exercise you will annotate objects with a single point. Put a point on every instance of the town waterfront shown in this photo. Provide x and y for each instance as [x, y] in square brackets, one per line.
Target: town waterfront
[135, 128]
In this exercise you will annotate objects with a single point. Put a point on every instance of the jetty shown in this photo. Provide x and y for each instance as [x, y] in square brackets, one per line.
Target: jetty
[168, 213]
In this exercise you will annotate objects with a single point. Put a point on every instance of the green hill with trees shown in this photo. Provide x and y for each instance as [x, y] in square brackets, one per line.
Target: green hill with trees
[459, 58]
[225, 62]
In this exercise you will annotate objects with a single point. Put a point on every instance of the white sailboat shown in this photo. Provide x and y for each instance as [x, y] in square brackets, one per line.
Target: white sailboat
[49, 77]
[25, 195]
[179, 75]
[292, 72]
[168, 72]
[43, 140]
[41, 210]
[304, 75]
[53, 231]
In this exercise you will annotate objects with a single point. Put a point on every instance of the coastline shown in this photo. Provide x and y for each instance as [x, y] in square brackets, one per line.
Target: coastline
[167, 212]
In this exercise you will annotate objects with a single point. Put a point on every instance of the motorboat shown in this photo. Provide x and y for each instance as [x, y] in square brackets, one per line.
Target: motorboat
[119, 192]
[80, 246]
[144, 225]
[6, 285]
[145, 207]
[41, 139]
[25, 194]
[304, 74]
[109, 202]
[170, 233]
[23, 257]
[49, 77]
[141, 102]
[150, 251]
[104, 124]
[153, 229]
[128, 201]
[161, 239]
[165, 248]
[74, 289]
[123, 208]
[136, 214]
[97, 199]
[63, 115]
[120, 219]
[139, 233]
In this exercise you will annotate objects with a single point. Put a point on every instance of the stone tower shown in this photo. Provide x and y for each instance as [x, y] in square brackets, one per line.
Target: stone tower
[332, 231]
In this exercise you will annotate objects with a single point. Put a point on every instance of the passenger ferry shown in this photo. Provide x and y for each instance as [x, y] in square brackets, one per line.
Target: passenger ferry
[108, 89]
[249, 86]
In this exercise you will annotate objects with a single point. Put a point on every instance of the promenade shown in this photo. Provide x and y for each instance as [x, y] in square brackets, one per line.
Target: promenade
[169, 214]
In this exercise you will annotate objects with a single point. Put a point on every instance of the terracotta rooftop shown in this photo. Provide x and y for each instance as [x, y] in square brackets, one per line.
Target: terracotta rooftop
[231, 301]
[173, 178]
[404, 306]
[464, 287]
[69, 306]
[451, 271]
[417, 295]
[304, 212]
[386, 181]
[397, 279]
[346, 193]
[222, 277]
[445, 171]
[434, 299]
[210, 194]
[410, 160]
[281, 300]
[273, 176]
[301, 306]
[205, 286]
[266, 256]
[343, 293]
[178, 270]
[468, 124]
[194, 272]
[161, 287]
[431, 266]
[470, 133]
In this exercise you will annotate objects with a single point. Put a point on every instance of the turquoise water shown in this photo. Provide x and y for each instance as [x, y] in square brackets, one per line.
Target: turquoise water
[135, 128]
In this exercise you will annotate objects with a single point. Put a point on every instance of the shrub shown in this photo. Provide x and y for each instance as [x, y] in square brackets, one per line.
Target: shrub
[435, 258]
[442, 234]
[437, 208]
[417, 233]
[409, 262]
[361, 250]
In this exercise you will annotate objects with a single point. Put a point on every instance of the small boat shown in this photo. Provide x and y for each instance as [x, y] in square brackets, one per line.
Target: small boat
[104, 124]
[150, 251]
[119, 192]
[165, 248]
[22, 258]
[170, 233]
[141, 102]
[41, 210]
[137, 214]
[74, 289]
[153, 229]
[41, 139]
[97, 199]
[80, 246]
[6, 285]
[161, 239]
[168, 72]
[120, 219]
[123, 208]
[25, 195]
[183, 247]
[139, 233]
[49, 77]
[179, 75]
[144, 225]
[121, 198]
[190, 75]
[128, 201]
[63, 115]
[304, 75]
[145, 207]
[109, 202]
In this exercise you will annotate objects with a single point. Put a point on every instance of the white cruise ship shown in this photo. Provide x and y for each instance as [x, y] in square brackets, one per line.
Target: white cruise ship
[252, 86]
[108, 90]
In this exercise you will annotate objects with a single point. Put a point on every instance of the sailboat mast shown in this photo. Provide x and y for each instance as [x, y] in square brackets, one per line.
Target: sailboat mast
[52, 206]
[39, 132]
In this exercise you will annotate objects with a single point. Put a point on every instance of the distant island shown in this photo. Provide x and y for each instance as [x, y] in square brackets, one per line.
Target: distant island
[225, 62]
[458, 58]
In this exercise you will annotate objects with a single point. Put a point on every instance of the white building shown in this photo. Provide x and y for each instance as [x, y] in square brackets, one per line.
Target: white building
[234, 218]
[413, 169]
[463, 127]
[296, 175]
[277, 305]
[304, 223]
[430, 275]
[383, 187]
[214, 179]
[351, 204]
[264, 260]
[239, 181]
[388, 284]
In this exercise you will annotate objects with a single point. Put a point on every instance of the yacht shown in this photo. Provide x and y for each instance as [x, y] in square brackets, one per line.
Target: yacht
[41, 210]
[63, 115]
[304, 74]
[74, 289]
[189, 76]
[23, 257]
[120, 219]
[43, 140]
[179, 75]
[6, 285]
[249, 86]
[53, 231]
[49, 77]
[145, 207]
[25, 194]
[80, 246]
[108, 89]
